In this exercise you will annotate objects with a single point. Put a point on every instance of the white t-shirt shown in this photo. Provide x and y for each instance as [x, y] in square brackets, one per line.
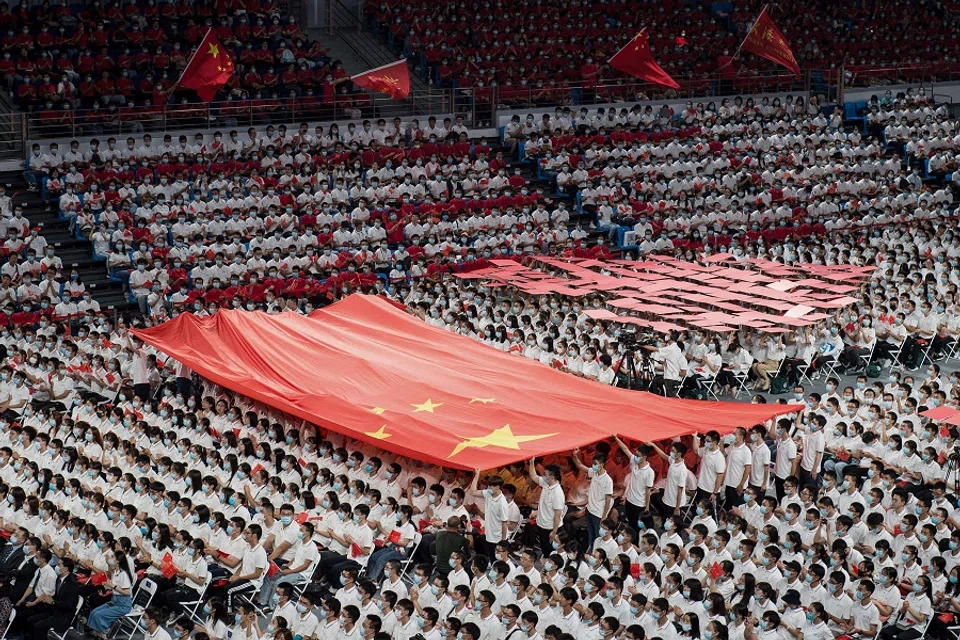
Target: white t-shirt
[786, 452]
[812, 445]
[495, 511]
[712, 465]
[551, 502]
[638, 481]
[253, 558]
[738, 457]
[601, 486]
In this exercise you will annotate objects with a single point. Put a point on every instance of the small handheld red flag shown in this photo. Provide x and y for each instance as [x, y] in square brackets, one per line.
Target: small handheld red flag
[208, 69]
[636, 60]
[391, 79]
[767, 41]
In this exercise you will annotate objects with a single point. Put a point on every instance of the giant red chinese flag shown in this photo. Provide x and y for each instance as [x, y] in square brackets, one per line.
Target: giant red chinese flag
[391, 79]
[368, 370]
[636, 60]
[209, 68]
[767, 41]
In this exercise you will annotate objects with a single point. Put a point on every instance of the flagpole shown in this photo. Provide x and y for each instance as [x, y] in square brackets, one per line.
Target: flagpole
[189, 62]
[752, 27]
[383, 66]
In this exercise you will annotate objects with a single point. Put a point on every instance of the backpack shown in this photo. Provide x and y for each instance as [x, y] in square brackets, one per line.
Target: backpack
[779, 385]
[874, 370]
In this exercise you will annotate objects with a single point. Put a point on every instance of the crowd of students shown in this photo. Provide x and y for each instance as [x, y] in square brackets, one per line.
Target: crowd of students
[526, 63]
[118, 465]
[115, 63]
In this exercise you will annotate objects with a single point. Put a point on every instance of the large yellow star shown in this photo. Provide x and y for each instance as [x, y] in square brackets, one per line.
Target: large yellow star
[482, 400]
[214, 50]
[379, 434]
[429, 406]
[502, 437]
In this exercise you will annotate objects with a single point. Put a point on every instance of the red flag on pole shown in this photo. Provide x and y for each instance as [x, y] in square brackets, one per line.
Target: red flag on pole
[767, 41]
[392, 79]
[636, 60]
[208, 69]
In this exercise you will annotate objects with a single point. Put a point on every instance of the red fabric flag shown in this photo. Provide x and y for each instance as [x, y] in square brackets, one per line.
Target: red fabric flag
[716, 571]
[209, 68]
[435, 413]
[391, 79]
[767, 41]
[636, 60]
[169, 570]
[272, 569]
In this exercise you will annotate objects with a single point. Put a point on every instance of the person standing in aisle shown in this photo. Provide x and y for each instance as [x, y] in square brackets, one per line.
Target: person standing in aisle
[599, 495]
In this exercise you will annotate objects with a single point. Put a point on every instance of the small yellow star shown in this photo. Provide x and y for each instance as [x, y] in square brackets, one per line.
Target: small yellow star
[502, 437]
[429, 405]
[482, 400]
[214, 50]
[379, 434]
[378, 410]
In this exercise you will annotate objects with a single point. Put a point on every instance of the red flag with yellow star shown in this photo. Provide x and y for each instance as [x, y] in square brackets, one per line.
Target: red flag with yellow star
[767, 41]
[208, 69]
[367, 370]
[392, 79]
[636, 60]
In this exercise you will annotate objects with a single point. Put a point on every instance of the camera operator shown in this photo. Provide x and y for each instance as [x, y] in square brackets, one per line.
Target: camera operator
[669, 363]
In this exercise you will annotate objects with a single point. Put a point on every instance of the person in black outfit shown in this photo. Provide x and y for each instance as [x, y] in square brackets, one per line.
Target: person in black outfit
[12, 554]
[20, 577]
[63, 607]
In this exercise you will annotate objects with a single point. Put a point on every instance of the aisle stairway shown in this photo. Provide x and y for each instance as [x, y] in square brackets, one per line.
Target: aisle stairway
[74, 253]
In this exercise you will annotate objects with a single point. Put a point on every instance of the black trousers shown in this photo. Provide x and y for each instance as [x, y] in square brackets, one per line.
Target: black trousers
[37, 626]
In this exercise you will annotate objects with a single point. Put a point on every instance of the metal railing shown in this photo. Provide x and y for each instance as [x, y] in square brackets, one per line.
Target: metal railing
[480, 106]
[859, 76]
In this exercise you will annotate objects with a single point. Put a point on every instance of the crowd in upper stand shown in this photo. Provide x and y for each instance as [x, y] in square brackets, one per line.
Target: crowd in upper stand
[510, 48]
[115, 62]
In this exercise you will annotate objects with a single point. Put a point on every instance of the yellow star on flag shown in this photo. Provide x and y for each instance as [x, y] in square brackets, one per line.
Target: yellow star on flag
[482, 400]
[378, 410]
[502, 437]
[429, 406]
[379, 434]
[214, 50]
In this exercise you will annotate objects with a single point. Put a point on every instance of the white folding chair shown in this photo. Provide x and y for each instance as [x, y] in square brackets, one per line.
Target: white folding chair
[142, 598]
[707, 385]
[407, 562]
[866, 359]
[191, 607]
[73, 621]
[803, 369]
[13, 616]
[741, 379]
[829, 368]
[301, 586]
[895, 354]
[249, 595]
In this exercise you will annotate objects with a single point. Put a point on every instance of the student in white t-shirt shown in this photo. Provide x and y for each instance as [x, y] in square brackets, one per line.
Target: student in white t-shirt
[639, 483]
[600, 494]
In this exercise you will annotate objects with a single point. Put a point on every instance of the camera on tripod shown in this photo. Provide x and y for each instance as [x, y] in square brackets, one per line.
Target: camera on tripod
[630, 338]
